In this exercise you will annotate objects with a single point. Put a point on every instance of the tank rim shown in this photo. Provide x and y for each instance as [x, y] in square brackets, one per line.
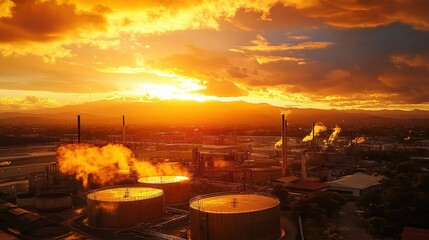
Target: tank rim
[123, 186]
[197, 198]
[188, 179]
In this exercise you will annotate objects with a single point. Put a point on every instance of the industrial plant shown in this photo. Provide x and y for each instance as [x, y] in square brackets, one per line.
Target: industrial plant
[180, 186]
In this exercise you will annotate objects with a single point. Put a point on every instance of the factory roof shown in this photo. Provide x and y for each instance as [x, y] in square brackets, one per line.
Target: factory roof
[28, 155]
[124, 194]
[8, 205]
[234, 203]
[357, 181]
[18, 211]
[163, 179]
[29, 225]
[8, 183]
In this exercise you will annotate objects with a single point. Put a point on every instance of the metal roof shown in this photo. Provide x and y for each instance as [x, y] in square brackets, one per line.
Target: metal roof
[234, 203]
[357, 181]
[124, 194]
[18, 211]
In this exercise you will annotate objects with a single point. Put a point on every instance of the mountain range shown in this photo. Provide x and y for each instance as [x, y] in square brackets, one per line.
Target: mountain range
[175, 112]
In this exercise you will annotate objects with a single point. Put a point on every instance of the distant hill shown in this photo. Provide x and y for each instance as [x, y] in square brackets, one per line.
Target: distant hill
[211, 112]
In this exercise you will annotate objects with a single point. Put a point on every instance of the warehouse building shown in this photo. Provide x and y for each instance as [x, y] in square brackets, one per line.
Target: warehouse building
[356, 184]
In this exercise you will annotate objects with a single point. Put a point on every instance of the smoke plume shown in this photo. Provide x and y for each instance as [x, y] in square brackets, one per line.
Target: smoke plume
[359, 140]
[318, 128]
[5, 163]
[334, 134]
[280, 142]
[103, 163]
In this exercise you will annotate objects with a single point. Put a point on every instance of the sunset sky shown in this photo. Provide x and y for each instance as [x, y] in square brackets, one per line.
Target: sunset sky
[343, 54]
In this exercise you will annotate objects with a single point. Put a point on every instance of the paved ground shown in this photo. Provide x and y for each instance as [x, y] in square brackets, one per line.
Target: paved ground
[347, 225]
[288, 225]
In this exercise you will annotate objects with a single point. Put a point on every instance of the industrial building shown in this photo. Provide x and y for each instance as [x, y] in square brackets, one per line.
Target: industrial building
[28, 224]
[257, 175]
[14, 186]
[356, 184]
[227, 185]
[56, 201]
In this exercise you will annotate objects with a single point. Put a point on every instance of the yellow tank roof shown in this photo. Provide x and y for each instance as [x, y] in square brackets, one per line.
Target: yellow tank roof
[123, 194]
[234, 203]
[163, 179]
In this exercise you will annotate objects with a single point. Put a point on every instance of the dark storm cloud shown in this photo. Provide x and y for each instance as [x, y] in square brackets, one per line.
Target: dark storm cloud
[359, 60]
[367, 13]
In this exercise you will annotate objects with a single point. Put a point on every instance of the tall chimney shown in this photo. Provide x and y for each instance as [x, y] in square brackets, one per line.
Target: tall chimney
[312, 139]
[123, 130]
[304, 166]
[284, 145]
[78, 128]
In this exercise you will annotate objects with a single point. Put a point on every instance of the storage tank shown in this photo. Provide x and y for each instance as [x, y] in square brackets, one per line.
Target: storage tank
[177, 189]
[25, 199]
[53, 201]
[235, 216]
[121, 207]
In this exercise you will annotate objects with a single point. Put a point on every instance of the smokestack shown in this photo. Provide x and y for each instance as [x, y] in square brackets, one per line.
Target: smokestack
[284, 144]
[312, 139]
[201, 164]
[304, 166]
[78, 128]
[197, 160]
[123, 130]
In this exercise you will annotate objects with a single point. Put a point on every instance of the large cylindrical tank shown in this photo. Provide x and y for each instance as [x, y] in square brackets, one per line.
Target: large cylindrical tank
[235, 216]
[177, 189]
[53, 201]
[25, 199]
[121, 207]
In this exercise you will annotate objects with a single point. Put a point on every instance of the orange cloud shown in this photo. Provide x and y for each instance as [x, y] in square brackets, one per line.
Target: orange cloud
[411, 61]
[46, 28]
[262, 45]
[26, 103]
[271, 59]
[337, 74]
[42, 21]
[214, 69]
[6, 8]
[306, 53]
[356, 13]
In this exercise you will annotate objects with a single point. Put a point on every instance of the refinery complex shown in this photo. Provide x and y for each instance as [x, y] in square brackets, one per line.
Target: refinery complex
[211, 187]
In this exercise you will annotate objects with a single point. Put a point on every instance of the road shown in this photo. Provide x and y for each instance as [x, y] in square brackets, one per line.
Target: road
[347, 225]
